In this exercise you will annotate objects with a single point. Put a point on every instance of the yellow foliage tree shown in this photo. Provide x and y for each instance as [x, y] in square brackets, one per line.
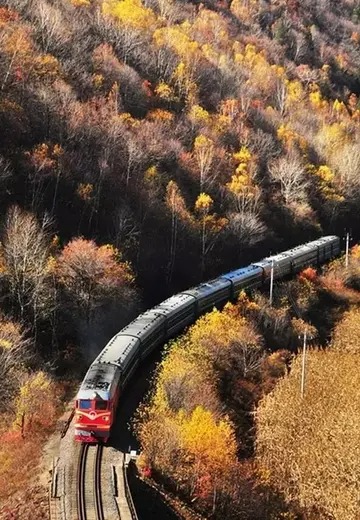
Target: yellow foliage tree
[182, 77]
[36, 403]
[289, 137]
[210, 28]
[243, 156]
[199, 116]
[331, 138]
[177, 37]
[295, 92]
[262, 74]
[326, 180]
[245, 11]
[164, 91]
[46, 68]
[210, 446]
[130, 12]
[339, 107]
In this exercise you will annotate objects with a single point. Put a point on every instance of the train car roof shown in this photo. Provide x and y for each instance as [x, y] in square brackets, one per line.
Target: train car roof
[286, 255]
[265, 262]
[174, 303]
[280, 256]
[118, 349]
[242, 272]
[329, 238]
[208, 287]
[98, 382]
[143, 323]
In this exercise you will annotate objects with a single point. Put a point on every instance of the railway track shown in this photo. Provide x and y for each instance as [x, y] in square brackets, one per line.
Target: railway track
[89, 501]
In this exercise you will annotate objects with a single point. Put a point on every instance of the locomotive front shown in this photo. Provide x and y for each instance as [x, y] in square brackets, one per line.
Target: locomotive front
[94, 406]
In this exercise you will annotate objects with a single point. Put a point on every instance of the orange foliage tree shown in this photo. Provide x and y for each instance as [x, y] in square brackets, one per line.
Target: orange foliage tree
[91, 275]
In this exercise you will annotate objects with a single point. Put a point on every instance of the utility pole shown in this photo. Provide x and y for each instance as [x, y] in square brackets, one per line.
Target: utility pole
[347, 249]
[271, 283]
[303, 366]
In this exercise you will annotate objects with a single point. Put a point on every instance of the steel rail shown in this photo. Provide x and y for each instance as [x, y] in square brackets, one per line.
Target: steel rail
[97, 484]
[80, 482]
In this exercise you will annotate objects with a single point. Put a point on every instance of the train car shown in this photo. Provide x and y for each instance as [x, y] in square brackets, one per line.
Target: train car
[210, 294]
[303, 256]
[122, 351]
[149, 328]
[179, 311]
[328, 247]
[314, 253]
[247, 278]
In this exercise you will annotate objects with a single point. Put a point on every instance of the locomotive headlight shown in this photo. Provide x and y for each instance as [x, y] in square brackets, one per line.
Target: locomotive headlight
[106, 418]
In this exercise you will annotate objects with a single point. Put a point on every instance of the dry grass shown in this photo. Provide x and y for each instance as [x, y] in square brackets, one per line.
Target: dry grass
[309, 448]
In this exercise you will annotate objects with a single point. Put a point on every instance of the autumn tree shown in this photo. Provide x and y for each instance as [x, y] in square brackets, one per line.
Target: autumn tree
[204, 154]
[237, 349]
[245, 197]
[210, 226]
[130, 12]
[46, 164]
[347, 164]
[14, 352]
[17, 54]
[26, 266]
[290, 175]
[126, 229]
[36, 403]
[211, 451]
[92, 275]
[52, 27]
[179, 214]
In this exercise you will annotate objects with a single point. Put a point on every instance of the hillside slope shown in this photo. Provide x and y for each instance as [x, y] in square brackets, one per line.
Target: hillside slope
[188, 134]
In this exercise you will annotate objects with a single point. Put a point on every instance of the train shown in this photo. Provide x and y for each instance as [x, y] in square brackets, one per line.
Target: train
[100, 392]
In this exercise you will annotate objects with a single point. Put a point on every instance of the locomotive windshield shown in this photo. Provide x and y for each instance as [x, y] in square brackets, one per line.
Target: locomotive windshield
[101, 405]
[85, 404]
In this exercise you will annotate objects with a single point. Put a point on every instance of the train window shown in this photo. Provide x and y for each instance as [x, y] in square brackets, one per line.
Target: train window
[85, 404]
[101, 405]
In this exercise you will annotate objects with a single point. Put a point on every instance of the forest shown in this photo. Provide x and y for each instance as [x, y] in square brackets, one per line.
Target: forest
[146, 146]
[230, 425]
